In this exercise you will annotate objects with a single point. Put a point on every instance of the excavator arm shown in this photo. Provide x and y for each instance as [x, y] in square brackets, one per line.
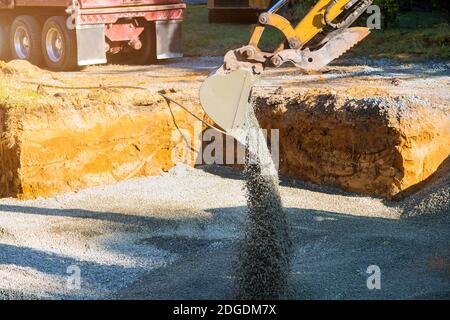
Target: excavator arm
[323, 35]
[321, 15]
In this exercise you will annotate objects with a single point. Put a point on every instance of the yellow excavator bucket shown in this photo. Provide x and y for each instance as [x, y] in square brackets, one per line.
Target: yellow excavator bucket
[226, 97]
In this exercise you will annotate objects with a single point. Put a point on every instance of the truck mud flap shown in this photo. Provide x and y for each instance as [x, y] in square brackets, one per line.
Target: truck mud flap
[168, 39]
[91, 44]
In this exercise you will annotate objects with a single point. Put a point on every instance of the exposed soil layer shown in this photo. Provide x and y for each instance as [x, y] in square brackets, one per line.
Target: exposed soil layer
[174, 236]
[68, 140]
[379, 145]
[368, 134]
[431, 197]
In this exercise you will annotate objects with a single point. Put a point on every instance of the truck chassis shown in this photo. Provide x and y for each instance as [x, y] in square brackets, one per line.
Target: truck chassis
[64, 35]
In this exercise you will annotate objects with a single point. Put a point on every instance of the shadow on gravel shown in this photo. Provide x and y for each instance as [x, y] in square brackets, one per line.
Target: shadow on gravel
[46, 262]
[114, 217]
[222, 171]
[236, 174]
[331, 254]
[96, 277]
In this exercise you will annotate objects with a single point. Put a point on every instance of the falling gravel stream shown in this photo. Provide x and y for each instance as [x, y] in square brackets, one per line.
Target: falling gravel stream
[264, 252]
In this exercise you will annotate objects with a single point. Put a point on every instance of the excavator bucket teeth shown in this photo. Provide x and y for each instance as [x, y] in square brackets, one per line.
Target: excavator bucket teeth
[335, 46]
[225, 98]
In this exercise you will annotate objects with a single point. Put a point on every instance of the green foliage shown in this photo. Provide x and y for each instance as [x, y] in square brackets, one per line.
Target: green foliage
[201, 38]
[416, 20]
[442, 6]
[415, 36]
[389, 12]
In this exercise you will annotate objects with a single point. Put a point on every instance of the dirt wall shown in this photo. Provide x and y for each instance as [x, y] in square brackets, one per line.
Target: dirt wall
[379, 145]
[67, 147]
[360, 139]
[9, 159]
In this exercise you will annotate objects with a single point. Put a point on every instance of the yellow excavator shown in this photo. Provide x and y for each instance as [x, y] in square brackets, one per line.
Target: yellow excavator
[323, 35]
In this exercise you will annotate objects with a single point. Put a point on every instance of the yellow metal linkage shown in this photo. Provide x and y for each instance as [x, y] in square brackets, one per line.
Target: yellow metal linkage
[308, 28]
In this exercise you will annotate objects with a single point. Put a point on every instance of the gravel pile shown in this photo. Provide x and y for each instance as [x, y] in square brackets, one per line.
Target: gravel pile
[434, 197]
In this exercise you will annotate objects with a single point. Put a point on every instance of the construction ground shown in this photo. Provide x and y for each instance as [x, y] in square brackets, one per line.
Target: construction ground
[89, 181]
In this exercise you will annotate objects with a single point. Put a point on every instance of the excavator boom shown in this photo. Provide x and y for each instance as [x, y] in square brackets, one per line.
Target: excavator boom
[322, 36]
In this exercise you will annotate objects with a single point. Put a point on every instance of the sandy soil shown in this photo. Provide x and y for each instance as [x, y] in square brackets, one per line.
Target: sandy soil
[175, 236]
[361, 78]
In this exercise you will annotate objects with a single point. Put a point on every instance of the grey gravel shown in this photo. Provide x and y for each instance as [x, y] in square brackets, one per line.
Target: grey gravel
[175, 236]
[125, 237]
[264, 252]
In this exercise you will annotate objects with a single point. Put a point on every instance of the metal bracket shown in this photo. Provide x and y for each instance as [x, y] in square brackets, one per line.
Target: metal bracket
[91, 44]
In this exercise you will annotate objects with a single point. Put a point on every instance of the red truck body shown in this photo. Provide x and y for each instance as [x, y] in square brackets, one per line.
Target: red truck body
[150, 29]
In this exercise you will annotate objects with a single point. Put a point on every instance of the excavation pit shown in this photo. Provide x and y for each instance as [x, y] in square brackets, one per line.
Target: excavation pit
[58, 140]
[360, 139]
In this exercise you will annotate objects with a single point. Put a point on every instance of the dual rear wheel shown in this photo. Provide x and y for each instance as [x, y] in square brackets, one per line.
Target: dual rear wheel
[54, 45]
[143, 56]
[59, 45]
[25, 37]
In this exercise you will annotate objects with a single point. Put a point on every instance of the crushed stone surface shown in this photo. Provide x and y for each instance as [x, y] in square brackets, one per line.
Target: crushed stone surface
[177, 235]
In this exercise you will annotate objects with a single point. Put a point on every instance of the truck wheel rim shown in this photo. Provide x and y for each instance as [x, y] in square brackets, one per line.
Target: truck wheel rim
[22, 43]
[54, 45]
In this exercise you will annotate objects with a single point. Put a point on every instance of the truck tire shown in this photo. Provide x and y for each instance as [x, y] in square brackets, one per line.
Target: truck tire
[59, 45]
[145, 56]
[5, 51]
[25, 39]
